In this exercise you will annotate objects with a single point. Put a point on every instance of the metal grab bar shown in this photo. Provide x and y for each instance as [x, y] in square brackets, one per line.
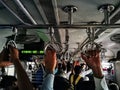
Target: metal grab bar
[90, 47]
[90, 44]
[11, 43]
[52, 44]
[45, 26]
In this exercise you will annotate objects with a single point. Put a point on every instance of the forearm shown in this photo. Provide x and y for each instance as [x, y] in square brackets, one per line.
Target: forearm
[97, 72]
[100, 82]
[23, 80]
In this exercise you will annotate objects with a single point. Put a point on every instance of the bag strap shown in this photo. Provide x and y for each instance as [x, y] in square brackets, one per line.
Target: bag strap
[71, 79]
[76, 81]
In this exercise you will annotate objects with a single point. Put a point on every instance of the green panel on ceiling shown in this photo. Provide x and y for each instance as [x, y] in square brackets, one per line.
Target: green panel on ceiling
[42, 35]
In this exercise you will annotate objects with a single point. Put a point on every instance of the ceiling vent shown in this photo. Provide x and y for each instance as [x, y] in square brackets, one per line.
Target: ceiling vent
[115, 38]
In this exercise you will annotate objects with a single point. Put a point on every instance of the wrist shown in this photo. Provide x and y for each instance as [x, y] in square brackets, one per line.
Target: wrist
[99, 76]
[97, 72]
[47, 72]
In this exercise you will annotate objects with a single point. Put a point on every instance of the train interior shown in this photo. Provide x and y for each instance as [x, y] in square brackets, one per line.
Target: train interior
[70, 24]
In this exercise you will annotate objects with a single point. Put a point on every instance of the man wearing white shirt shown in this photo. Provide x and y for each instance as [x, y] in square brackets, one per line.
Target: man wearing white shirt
[93, 61]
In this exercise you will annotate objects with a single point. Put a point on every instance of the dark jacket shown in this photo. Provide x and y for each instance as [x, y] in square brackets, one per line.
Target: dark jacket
[83, 85]
[61, 83]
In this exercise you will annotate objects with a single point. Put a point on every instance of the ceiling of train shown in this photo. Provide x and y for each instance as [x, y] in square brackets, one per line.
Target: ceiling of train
[36, 12]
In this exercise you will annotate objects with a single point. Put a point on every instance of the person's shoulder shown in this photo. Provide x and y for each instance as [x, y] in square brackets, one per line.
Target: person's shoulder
[81, 79]
[57, 77]
[61, 83]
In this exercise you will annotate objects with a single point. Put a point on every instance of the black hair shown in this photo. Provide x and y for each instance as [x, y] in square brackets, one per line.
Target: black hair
[69, 66]
[78, 69]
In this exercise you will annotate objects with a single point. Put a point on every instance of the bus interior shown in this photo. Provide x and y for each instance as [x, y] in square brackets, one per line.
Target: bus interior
[32, 24]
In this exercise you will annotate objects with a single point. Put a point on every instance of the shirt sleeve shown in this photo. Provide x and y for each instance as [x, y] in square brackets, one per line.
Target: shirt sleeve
[48, 82]
[100, 84]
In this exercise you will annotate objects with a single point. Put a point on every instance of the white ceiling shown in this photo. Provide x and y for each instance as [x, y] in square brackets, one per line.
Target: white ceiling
[51, 12]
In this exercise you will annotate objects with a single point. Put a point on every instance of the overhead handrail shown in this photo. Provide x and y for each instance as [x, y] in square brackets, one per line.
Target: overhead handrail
[11, 42]
[73, 26]
[52, 44]
[91, 44]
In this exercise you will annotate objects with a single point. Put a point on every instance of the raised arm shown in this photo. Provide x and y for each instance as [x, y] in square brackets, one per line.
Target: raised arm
[92, 59]
[22, 78]
[50, 64]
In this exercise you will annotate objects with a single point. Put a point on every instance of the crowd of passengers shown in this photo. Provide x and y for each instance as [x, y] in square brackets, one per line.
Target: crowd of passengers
[60, 75]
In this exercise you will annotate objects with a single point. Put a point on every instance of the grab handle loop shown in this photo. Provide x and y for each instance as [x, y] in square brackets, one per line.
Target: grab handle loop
[52, 44]
[11, 43]
[91, 44]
